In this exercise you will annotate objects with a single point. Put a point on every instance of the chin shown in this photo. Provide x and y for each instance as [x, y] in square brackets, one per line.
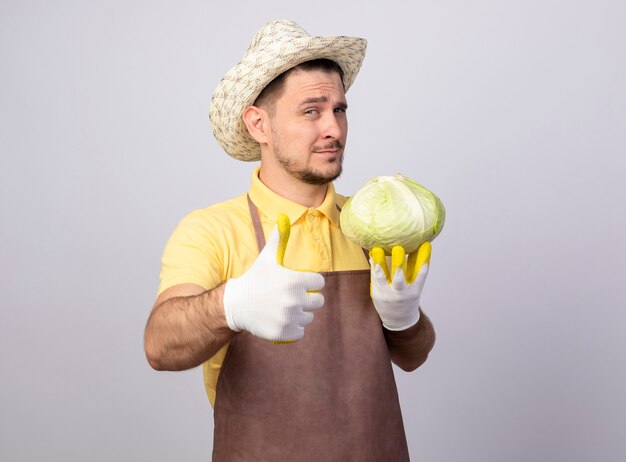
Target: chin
[317, 177]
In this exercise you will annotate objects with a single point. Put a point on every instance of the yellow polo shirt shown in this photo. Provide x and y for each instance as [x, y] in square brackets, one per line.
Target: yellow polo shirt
[211, 245]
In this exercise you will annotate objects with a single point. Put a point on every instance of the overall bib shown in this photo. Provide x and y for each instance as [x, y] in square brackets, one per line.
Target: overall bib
[329, 397]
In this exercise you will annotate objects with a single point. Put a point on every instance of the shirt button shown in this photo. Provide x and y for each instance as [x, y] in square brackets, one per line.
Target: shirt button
[310, 218]
[315, 237]
[324, 256]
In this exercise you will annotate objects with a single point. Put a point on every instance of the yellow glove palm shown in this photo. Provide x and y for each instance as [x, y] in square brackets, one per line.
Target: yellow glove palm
[411, 266]
[396, 294]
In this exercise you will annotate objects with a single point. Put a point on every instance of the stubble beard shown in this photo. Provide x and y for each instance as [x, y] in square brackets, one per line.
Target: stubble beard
[307, 174]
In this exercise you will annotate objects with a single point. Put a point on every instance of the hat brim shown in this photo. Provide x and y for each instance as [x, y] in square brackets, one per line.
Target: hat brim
[243, 83]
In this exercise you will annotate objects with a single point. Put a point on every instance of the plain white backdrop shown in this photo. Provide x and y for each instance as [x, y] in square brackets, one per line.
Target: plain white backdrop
[513, 112]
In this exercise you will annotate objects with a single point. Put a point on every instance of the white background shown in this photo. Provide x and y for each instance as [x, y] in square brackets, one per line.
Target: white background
[512, 111]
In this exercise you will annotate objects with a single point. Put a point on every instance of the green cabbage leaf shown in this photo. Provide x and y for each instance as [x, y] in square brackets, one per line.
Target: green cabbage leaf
[392, 210]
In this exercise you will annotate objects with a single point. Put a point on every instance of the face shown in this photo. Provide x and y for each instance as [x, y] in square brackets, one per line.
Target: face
[309, 127]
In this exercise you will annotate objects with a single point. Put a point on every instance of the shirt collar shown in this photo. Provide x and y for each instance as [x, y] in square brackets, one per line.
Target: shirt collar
[272, 204]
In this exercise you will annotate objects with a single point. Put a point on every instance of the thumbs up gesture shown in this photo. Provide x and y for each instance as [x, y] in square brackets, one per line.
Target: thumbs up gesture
[270, 301]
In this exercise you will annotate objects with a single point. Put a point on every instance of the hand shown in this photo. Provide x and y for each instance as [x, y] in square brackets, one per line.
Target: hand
[270, 301]
[396, 297]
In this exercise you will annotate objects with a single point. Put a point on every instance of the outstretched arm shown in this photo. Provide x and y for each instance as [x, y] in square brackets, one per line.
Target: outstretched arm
[396, 295]
[409, 348]
[187, 326]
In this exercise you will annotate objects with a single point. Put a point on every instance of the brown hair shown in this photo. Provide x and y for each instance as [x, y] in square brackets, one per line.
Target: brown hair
[274, 89]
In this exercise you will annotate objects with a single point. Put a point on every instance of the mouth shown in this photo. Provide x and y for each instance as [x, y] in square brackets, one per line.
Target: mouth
[327, 151]
[330, 156]
[335, 147]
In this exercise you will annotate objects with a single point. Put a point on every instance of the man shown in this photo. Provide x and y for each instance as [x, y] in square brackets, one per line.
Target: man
[296, 353]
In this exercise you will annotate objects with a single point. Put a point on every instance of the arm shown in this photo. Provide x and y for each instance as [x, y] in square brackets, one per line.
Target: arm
[396, 295]
[187, 326]
[409, 348]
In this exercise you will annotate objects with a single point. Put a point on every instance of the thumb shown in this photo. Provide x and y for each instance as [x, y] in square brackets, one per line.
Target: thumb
[276, 244]
[271, 246]
[284, 229]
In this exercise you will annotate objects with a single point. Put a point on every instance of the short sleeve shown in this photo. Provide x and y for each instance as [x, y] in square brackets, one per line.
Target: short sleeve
[193, 253]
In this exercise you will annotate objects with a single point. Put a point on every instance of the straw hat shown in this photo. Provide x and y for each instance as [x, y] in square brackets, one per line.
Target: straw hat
[277, 47]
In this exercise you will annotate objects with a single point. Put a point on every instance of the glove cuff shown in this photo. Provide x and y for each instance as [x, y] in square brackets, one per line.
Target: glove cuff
[231, 299]
[405, 322]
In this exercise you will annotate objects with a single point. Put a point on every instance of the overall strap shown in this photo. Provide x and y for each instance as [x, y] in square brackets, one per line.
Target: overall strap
[256, 224]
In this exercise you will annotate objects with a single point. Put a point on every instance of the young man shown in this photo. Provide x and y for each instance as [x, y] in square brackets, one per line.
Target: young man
[301, 349]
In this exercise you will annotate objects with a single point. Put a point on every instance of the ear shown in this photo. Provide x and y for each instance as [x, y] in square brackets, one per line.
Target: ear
[257, 123]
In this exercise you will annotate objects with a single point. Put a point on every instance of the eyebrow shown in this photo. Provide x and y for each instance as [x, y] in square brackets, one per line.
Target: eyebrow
[322, 99]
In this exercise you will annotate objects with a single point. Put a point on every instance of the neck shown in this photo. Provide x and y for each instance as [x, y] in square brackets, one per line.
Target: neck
[285, 185]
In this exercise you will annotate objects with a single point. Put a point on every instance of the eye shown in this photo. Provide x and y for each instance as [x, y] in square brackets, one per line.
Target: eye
[311, 112]
[340, 109]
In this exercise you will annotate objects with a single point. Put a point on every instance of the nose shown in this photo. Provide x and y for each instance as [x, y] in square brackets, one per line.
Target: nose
[334, 126]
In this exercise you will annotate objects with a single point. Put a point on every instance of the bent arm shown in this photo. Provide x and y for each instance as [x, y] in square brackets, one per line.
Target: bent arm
[409, 348]
[186, 327]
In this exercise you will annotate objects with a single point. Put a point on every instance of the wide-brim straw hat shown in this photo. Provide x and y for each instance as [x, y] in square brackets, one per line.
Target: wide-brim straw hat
[276, 48]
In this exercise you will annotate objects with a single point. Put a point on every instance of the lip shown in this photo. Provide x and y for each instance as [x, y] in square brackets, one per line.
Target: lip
[328, 151]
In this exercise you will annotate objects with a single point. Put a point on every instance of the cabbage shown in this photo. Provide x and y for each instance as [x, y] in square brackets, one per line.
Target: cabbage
[392, 210]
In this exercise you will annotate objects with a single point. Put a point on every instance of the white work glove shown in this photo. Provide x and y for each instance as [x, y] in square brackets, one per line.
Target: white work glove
[396, 297]
[270, 301]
